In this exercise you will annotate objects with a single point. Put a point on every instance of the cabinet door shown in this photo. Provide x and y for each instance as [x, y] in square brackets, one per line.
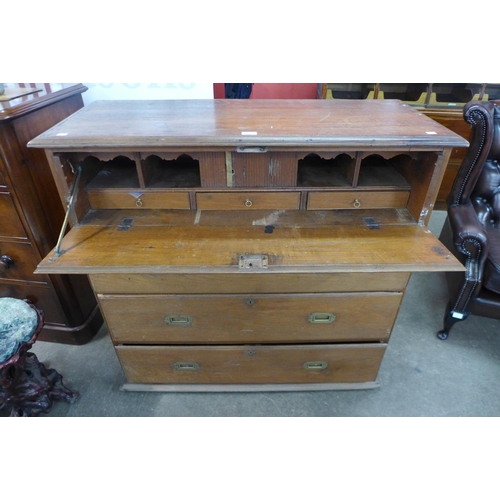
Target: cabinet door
[252, 169]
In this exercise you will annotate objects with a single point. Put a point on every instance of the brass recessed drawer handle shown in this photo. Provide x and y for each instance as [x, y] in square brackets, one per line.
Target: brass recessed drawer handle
[179, 320]
[186, 366]
[356, 203]
[315, 365]
[6, 261]
[138, 203]
[248, 203]
[321, 318]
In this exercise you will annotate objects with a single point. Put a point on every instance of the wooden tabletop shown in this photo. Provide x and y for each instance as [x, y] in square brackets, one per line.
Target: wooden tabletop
[149, 125]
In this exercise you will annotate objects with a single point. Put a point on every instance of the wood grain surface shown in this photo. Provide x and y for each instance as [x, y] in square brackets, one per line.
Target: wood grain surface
[153, 125]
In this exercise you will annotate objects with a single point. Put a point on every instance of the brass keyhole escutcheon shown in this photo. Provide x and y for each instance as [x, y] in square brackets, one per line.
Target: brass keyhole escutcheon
[248, 203]
[250, 302]
[138, 202]
[356, 203]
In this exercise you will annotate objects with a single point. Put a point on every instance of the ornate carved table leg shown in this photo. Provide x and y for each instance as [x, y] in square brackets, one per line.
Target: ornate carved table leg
[27, 387]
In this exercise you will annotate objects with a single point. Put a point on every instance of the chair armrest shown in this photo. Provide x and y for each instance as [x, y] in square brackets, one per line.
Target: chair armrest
[471, 240]
[469, 236]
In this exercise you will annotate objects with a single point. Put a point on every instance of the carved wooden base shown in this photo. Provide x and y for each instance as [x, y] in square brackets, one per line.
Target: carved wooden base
[28, 388]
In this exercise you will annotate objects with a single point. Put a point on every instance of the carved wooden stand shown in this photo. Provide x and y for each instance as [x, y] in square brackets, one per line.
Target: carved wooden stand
[27, 387]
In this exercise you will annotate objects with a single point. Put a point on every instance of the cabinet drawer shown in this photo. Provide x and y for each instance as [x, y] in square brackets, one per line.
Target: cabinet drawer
[259, 318]
[250, 200]
[251, 364]
[10, 225]
[197, 283]
[356, 199]
[40, 295]
[23, 259]
[102, 199]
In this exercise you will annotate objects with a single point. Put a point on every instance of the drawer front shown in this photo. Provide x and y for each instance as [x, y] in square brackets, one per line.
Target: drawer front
[356, 199]
[39, 295]
[247, 201]
[10, 225]
[216, 319]
[249, 283]
[109, 199]
[251, 364]
[22, 262]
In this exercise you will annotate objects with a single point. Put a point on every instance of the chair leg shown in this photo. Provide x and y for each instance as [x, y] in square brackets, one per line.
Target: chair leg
[450, 319]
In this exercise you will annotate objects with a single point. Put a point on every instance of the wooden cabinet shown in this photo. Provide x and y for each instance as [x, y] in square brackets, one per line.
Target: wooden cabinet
[443, 102]
[31, 213]
[249, 245]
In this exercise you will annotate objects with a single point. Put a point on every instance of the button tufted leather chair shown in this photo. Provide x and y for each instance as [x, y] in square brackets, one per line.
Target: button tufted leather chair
[472, 228]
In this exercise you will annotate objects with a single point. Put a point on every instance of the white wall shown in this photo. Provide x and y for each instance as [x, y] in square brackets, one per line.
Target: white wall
[132, 91]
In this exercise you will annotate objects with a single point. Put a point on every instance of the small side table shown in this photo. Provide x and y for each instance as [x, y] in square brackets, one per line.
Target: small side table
[27, 387]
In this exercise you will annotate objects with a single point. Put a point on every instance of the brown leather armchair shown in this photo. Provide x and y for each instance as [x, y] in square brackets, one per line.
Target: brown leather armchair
[472, 228]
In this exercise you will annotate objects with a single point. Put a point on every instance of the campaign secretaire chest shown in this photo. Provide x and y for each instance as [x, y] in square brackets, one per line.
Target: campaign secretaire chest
[246, 244]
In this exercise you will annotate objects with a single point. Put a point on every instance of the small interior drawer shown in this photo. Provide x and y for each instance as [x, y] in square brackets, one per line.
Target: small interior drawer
[248, 200]
[123, 199]
[257, 318]
[251, 364]
[324, 200]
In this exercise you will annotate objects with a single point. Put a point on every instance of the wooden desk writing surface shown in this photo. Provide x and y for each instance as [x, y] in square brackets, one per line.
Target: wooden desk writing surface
[249, 245]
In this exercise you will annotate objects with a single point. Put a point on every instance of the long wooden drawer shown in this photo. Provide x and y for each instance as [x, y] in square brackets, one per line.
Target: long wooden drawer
[10, 225]
[259, 318]
[323, 200]
[248, 200]
[24, 262]
[251, 364]
[113, 198]
[249, 283]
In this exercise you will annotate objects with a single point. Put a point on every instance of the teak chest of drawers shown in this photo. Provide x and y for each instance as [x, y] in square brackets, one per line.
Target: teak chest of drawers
[249, 245]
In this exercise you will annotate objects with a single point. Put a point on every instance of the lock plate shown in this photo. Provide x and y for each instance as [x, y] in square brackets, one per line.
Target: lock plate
[253, 261]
